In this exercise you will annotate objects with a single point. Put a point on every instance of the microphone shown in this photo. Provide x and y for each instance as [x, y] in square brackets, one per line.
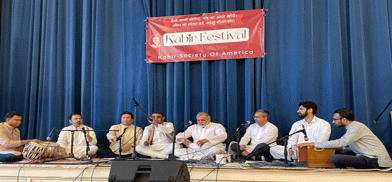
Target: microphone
[136, 103]
[189, 123]
[84, 131]
[305, 135]
[51, 134]
[118, 138]
[241, 127]
[149, 119]
[389, 103]
[247, 122]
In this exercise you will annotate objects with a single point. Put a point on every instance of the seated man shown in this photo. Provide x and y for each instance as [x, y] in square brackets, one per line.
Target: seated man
[11, 145]
[370, 152]
[261, 134]
[79, 144]
[317, 129]
[157, 138]
[207, 139]
[127, 130]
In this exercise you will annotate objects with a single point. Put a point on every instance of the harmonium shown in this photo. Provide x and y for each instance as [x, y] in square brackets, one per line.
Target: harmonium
[316, 157]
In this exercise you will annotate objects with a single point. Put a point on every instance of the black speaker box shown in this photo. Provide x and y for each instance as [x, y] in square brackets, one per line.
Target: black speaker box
[151, 171]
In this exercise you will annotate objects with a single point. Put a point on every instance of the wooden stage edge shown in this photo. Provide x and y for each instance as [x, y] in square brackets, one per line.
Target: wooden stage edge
[66, 170]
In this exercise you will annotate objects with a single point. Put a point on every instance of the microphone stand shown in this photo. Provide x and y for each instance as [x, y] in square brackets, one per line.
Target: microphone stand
[174, 140]
[389, 103]
[71, 154]
[286, 162]
[237, 132]
[285, 138]
[242, 127]
[119, 138]
[87, 147]
[134, 155]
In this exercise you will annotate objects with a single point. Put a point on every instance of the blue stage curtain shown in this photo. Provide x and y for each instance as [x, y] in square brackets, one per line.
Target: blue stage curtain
[336, 53]
[59, 57]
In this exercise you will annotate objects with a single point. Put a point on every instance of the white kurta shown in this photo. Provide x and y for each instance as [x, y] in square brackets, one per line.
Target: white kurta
[126, 139]
[161, 145]
[255, 134]
[318, 130]
[215, 133]
[79, 143]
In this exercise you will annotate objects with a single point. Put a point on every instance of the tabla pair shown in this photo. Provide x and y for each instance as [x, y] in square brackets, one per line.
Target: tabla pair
[39, 151]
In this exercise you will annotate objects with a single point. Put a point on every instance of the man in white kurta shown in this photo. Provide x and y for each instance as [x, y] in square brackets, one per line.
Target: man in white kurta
[261, 135]
[207, 139]
[127, 130]
[157, 138]
[317, 129]
[79, 138]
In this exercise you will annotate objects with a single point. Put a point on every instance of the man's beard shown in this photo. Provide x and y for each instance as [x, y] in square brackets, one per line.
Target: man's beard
[338, 125]
[302, 116]
[203, 125]
[160, 122]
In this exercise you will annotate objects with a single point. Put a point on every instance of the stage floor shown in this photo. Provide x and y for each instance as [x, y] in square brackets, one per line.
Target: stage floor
[99, 170]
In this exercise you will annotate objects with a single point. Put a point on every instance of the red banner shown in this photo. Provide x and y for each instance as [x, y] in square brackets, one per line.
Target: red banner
[210, 36]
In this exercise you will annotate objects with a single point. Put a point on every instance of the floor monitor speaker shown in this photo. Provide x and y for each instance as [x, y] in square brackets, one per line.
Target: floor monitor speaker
[151, 171]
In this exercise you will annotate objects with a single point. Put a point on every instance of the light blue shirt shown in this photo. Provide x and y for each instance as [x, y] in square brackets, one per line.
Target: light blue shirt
[362, 141]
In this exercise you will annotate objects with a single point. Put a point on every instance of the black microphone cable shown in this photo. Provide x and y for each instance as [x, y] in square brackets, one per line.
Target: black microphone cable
[217, 169]
[95, 166]
[80, 174]
[17, 179]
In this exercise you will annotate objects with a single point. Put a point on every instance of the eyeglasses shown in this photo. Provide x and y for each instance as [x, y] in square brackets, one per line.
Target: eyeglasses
[255, 117]
[336, 119]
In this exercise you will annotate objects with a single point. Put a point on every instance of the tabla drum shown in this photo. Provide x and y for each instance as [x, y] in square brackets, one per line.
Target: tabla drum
[51, 150]
[33, 150]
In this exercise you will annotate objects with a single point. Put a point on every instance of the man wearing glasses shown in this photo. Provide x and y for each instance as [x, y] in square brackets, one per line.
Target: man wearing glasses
[370, 151]
[262, 135]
